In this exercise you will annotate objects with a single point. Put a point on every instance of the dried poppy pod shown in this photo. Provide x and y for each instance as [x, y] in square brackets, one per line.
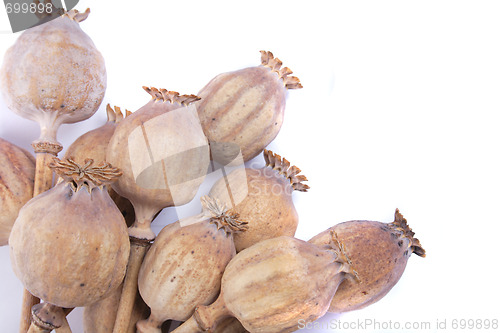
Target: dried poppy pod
[164, 156]
[273, 285]
[230, 325]
[184, 266]
[17, 176]
[263, 197]
[243, 110]
[379, 251]
[94, 144]
[69, 245]
[54, 75]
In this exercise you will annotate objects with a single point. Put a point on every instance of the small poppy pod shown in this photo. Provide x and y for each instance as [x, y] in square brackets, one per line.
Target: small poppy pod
[379, 251]
[69, 246]
[53, 74]
[263, 197]
[163, 154]
[272, 285]
[17, 175]
[94, 144]
[242, 111]
[184, 267]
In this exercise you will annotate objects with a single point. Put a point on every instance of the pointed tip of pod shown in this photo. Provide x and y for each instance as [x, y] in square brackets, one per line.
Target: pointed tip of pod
[115, 114]
[75, 15]
[221, 216]
[267, 59]
[164, 95]
[85, 174]
[282, 166]
[401, 225]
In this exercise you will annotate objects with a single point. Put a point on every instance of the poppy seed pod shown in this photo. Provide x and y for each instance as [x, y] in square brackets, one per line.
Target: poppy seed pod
[16, 184]
[242, 111]
[53, 74]
[263, 197]
[273, 285]
[69, 245]
[184, 266]
[379, 251]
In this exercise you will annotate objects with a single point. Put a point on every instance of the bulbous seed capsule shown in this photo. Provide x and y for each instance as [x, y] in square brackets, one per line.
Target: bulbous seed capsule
[273, 285]
[263, 197]
[185, 264]
[379, 251]
[69, 245]
[17, 176]
[243, 110]
[54, 75]
[94, 144]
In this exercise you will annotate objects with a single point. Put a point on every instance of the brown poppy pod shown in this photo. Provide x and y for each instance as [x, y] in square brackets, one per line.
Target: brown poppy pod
[69, 245]
[184, 266]
[274, 285]
[242, 111]
[379, 251]
[164, 156]
[94, 144]
[53, 74]
[230, 325]
[17, 176]
[263, 197]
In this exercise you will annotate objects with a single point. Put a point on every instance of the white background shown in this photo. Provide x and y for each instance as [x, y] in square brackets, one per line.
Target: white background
[400, 108]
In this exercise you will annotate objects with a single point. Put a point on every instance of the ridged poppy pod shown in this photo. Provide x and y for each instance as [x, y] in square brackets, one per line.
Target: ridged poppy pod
[184, 267]
[54, 74]
[230, 325]
[242, 111]
[94, 144]
[263, 197]
[17, 176]
[274, 285]
[164, 156]
[69, 246]
[379, 251]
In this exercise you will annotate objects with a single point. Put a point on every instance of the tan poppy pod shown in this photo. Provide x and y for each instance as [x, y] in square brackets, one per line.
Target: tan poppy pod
[17, 176]
[69, 246]
[54, 75]
[263, 197]
[379, 251]
[100, 317]
[163, 154]
[94, 144]
[273, 286]
[243, 110]
[184, 266]
[230, 325]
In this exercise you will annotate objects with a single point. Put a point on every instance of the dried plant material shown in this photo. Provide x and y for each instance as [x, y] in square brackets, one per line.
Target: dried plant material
[242, 111]
[263, 197]
[273, 285]
[69, 246]
[94, 144]
[379, 252]
[164, 156]
[230, 325]
[17, 176]
[184, 266]
[44, 71]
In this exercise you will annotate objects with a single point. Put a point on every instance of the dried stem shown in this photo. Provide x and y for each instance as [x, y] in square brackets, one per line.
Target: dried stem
[268, 60]
[138, 249]
[44, 152]
[47, 317]
[282, 166]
